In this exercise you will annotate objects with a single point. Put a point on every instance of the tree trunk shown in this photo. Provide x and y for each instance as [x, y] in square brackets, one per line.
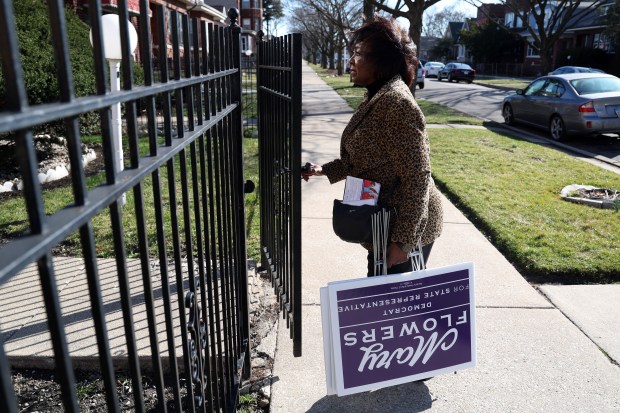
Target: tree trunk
[369, 10]
[339, 52]
[415, 32]
[546, 60]
[332, 54]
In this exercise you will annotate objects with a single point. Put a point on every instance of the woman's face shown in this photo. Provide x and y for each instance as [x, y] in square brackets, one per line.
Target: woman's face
[362, 73]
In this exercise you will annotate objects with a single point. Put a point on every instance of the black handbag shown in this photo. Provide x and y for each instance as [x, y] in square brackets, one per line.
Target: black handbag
[353, 223]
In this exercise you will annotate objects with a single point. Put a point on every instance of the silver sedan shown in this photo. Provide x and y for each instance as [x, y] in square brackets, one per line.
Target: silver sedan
[571, 104]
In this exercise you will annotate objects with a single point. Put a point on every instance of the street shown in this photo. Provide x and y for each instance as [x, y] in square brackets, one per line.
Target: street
[485, 103]
[472, 99]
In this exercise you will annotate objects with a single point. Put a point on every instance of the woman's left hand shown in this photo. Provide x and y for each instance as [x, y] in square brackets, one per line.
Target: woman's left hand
[395, 255]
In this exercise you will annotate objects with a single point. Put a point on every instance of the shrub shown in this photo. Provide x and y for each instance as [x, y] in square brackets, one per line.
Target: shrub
[585, 57]
[37, 58]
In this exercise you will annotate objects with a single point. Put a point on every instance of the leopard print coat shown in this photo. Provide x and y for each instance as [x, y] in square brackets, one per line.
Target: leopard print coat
[385, 141]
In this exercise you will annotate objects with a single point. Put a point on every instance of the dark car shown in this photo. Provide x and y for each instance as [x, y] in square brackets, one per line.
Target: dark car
[457, 71]
[572, 104]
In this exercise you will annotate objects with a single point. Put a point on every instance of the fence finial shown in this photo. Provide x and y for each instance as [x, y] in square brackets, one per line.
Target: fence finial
[260, 35]
[233, 15]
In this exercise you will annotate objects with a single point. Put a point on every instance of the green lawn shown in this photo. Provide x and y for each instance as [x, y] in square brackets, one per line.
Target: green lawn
[508, 83]
[510, 189]
[13, 217]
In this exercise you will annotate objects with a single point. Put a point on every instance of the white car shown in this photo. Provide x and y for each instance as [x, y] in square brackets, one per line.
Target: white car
[421, 75]
[433, 68]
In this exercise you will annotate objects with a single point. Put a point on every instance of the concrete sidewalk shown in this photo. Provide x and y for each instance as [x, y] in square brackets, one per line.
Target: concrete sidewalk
[555, 354]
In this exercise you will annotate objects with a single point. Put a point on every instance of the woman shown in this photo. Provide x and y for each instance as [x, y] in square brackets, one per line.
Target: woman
[385, 141]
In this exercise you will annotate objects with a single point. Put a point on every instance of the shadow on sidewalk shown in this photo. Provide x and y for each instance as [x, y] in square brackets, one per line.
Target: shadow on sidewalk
[408, 397]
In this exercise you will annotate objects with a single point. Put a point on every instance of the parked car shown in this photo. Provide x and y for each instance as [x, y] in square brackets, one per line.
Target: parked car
[574, 69]
[421, 75]
[457, 71]
[572, 104]
[433, 68]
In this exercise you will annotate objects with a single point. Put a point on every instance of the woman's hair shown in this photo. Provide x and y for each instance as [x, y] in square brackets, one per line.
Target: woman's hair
[388, 49]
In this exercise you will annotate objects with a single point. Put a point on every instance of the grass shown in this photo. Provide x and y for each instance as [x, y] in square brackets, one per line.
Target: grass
[14, 219]
[509, 83]
[510, 189]
[353, 95]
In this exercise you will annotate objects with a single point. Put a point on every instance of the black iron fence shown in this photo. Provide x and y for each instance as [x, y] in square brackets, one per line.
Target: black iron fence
[184, 217]
[248, 98]
[279, 114]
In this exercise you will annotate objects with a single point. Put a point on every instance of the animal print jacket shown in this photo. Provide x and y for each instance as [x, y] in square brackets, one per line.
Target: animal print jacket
[385, 141]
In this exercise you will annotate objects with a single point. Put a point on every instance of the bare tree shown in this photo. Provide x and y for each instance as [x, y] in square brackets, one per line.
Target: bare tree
[318, 33]
[343, 15]
[412, 10]
[435, 23]
[337, 15]
[544, 20]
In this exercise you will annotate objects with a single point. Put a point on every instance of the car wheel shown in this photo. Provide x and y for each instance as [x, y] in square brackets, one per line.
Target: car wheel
[439, 78]
[449, 78]
[557, 129]
[421, 85]
[509, 117]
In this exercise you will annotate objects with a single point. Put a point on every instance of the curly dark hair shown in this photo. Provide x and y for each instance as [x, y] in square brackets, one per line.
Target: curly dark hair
[388, 48]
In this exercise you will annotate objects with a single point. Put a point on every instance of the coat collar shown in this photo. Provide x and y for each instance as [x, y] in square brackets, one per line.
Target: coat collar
[366, 105]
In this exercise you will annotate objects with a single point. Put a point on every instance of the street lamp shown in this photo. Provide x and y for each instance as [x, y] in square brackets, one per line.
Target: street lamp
[110, 28]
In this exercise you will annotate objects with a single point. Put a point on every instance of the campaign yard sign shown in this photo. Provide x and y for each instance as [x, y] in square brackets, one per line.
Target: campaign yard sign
[383, 331]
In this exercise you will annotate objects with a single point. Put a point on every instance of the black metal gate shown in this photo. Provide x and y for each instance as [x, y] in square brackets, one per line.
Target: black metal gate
[279, 124]
[185, 190]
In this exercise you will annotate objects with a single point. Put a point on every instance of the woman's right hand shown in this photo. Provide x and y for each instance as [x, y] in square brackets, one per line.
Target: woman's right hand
[310, 169]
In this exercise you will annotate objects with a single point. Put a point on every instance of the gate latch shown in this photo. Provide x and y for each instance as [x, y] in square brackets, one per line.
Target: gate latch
[249, 187]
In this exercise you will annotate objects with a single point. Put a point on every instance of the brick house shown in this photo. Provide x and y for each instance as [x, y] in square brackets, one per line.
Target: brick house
[192, 8]
[584, 33]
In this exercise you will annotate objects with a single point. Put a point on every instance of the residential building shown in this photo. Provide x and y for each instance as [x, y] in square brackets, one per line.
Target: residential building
[191, 8]
[459, 51]
[582, 33]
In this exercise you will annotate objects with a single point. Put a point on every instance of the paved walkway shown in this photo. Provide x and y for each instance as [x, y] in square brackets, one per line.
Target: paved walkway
[552, 349]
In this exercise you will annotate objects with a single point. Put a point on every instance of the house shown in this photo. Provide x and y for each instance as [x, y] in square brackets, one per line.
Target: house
[586, 32]
[459, 51]
[251, 23]
[210, 11]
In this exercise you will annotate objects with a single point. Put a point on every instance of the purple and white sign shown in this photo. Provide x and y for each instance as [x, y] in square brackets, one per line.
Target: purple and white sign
[383, 331]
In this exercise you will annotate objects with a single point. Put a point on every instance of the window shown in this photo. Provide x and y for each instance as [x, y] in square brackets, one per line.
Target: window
[179, 26]
[245, 4]
[246, 23]
[509, 19]
[553, 88]
[535, 87]
[244, 44]
[596, 85]
[532, 51]
[519, 22]
[602, 42]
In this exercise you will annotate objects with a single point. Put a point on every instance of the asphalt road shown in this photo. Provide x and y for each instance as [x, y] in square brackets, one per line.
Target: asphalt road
[485, 103]
[472, 99]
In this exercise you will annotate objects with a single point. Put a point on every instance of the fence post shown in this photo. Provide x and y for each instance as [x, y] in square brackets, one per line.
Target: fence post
[295, 57]
[242, 269]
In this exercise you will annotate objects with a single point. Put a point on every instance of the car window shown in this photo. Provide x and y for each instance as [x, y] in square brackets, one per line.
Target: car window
[535, 87]
[596, 85]
[553, 88]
